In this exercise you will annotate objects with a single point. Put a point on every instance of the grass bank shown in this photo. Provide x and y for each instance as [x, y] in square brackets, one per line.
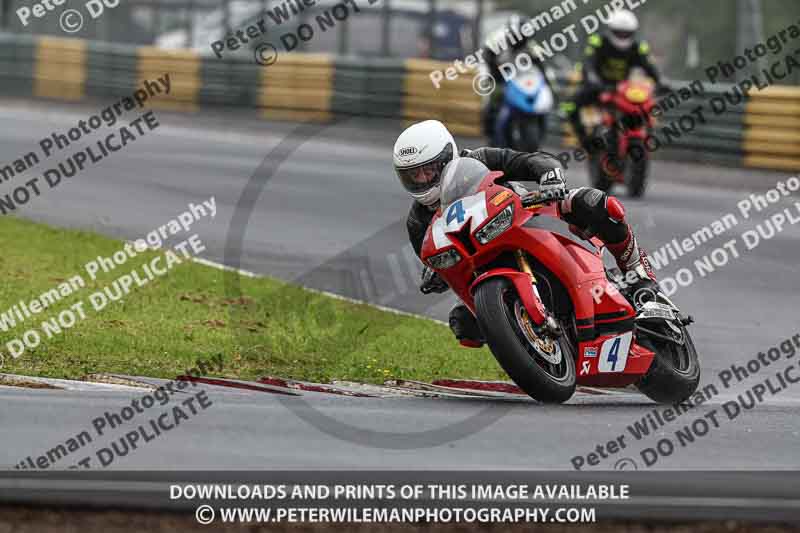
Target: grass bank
[163, 327]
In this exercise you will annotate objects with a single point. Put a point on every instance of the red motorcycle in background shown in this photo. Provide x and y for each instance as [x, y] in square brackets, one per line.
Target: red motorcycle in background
[544, 301]
[624, 124]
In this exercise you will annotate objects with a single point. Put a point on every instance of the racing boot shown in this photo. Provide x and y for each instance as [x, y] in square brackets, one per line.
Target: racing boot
[638, 283]
[465, 327]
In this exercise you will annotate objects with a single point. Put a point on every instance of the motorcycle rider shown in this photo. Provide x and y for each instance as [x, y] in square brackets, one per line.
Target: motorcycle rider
[609, 59]
[425, 148]
[495, 115]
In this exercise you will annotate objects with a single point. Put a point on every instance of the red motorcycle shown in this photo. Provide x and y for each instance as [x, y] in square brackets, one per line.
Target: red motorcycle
[549, 311]
[625, 123]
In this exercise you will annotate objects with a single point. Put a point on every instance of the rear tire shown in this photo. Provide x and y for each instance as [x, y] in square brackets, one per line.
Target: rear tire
[544, 381]
[597, 175]
[639, 168]
[675, 372]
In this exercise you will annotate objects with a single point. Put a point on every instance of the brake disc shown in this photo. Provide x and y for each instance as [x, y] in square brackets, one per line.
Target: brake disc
[546, 347]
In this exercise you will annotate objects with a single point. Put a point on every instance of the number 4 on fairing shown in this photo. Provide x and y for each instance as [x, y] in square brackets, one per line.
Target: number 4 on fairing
[614, 353]
[456, 212]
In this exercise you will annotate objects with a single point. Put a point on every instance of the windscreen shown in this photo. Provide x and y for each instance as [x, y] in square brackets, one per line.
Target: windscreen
[461, 177]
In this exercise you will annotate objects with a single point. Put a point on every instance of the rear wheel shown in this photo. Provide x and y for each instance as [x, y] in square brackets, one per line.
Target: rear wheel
[675, 372]
[542, 366]
[597, 174]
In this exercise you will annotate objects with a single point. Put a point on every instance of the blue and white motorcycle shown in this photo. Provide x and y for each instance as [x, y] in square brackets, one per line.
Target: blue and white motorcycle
[521, 122]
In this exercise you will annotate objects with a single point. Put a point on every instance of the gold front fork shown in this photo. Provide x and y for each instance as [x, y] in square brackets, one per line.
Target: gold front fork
[522, 261]
[550, 323]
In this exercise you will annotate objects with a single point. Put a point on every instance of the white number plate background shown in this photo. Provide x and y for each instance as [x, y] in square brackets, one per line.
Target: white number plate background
[614, 353]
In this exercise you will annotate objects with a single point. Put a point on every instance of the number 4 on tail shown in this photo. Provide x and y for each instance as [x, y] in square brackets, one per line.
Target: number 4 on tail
[614, 353]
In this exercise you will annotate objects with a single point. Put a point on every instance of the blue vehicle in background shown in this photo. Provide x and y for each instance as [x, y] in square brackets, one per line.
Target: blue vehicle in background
[521, 122]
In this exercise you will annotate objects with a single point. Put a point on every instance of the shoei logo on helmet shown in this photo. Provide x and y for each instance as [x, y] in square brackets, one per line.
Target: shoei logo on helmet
[409, 153]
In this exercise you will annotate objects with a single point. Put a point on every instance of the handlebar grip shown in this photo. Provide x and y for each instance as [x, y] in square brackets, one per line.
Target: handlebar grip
[545, 197]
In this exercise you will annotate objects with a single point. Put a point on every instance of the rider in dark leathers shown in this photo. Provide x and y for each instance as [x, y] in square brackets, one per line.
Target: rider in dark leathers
[609, 59]
[588, 211]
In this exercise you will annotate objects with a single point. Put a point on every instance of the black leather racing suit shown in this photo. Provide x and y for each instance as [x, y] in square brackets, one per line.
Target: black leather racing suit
[605, 65]
[586, 209]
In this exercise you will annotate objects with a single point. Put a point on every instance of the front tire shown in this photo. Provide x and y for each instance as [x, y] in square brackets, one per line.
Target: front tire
[496, 303]
[674, 373]
[525, 133]
[639, 168]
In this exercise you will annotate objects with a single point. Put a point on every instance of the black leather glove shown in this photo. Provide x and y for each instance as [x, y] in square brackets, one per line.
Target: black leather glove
[539, 197]
[551, 180]
[553, 183]
[432, 282]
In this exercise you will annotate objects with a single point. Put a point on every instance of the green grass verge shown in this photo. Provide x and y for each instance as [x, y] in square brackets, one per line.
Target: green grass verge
[162, 328]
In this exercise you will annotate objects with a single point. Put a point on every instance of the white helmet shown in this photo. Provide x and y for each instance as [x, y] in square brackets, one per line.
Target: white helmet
[622, 26]
[420, 154]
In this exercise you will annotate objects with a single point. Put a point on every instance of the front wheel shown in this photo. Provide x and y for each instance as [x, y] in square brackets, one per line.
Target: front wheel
[543, 367]
[674, 374]
[639, 169]
[526, 133]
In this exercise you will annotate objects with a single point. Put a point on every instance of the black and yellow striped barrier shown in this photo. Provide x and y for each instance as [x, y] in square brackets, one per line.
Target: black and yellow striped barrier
[298, 87]
[764, 133]
[455, 102]
[772, 135]
[184, 70]
[60, 68]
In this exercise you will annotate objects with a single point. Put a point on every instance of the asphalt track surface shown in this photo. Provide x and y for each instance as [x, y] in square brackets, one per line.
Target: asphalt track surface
[331, 209]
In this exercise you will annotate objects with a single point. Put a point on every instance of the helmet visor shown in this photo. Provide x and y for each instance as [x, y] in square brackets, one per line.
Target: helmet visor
[623, 35]
[420, 178]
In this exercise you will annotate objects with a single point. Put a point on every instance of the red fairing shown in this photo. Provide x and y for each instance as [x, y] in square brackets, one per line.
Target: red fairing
[522, 282]
[588, 368]
[627, 110]
[604, 318]
[634, 98]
